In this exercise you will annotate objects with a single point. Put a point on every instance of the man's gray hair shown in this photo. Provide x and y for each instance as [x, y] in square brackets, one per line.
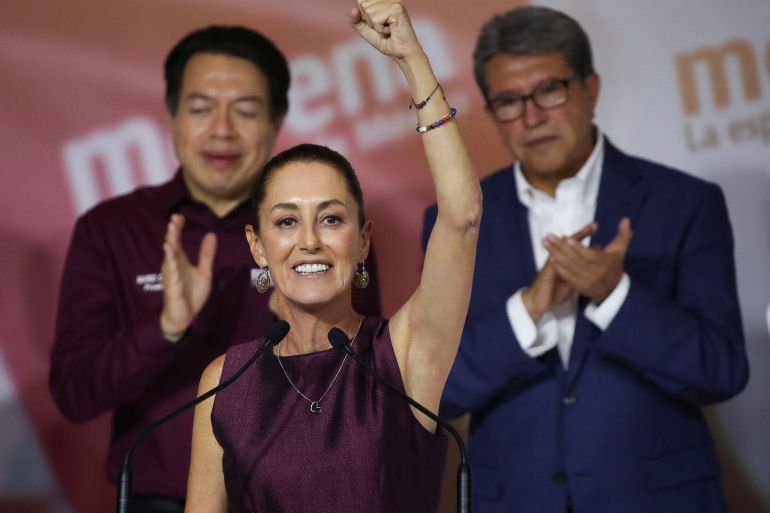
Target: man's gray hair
[532, 30]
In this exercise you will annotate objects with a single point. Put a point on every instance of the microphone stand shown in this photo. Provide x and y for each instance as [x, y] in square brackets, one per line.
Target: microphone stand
[274, 335]
[339, 340]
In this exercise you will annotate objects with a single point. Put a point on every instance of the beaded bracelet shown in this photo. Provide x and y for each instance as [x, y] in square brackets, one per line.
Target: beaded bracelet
[423, 103]
[436, 124]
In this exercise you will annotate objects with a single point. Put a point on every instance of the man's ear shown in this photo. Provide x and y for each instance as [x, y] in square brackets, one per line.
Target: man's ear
[255, 245]
[594, 86]
[278, 124]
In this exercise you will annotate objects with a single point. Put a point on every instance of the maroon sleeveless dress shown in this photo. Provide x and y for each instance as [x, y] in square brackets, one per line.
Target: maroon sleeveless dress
[364, 452]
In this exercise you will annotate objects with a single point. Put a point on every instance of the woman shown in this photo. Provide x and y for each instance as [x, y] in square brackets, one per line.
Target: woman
[304, 429]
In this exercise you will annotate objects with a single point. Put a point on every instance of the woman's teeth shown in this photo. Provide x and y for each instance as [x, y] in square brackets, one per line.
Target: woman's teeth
[311, 268]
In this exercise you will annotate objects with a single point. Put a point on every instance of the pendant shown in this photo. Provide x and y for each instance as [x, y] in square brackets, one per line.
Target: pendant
[315, 407]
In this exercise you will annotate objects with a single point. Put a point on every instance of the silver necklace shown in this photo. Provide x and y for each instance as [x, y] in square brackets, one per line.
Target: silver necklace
[315, 406]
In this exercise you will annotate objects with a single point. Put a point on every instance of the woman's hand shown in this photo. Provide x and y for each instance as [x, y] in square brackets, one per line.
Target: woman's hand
[386, 26]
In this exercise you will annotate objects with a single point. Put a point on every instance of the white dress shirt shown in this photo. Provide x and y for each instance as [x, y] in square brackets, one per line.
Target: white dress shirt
[573, 206]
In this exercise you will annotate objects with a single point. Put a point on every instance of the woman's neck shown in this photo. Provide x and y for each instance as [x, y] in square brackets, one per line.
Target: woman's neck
[309, 331]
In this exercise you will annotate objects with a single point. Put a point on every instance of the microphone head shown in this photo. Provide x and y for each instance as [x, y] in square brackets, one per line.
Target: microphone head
[337, 338]
[277, 331]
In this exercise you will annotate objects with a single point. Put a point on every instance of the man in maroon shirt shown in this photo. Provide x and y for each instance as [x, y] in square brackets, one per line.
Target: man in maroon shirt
[137, 320]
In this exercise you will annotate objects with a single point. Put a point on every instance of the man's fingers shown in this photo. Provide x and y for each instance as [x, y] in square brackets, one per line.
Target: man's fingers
[168, 252]
[547, 270]
[169, 265]
[178, 221]
[207, 252]
[174, 229]
[574, 263]
[623, 238]
[170, 270]
[566, 250]
[586, 231]
[624, 228]
[569, 275]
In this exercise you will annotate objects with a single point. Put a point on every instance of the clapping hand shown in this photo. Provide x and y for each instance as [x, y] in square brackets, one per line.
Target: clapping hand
[593, 272]
[549, 289]
[186, 287]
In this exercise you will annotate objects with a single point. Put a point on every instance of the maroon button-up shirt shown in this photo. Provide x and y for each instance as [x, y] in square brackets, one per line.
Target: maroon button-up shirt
[109, 352]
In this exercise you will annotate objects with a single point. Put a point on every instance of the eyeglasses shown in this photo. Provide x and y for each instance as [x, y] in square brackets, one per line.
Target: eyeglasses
[546, 95]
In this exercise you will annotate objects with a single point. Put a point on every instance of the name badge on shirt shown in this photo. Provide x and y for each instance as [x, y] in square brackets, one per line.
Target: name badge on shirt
[150, 282]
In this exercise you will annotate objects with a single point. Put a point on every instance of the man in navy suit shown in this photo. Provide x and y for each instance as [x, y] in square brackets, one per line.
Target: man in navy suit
[604, 312]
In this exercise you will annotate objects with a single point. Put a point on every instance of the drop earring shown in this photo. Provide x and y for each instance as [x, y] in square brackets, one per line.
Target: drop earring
[361, 277]
[263, 280]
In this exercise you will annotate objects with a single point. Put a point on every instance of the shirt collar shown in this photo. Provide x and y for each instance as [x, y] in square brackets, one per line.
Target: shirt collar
[587, 178]
[174, 194]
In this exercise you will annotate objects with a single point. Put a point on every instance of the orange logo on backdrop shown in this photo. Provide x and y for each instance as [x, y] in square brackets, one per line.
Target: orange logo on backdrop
[715, 57]
[751, 125]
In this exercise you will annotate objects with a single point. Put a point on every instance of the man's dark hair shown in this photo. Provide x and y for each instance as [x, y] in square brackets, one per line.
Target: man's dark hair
[307, 153]
[232, 41]
[532, 30]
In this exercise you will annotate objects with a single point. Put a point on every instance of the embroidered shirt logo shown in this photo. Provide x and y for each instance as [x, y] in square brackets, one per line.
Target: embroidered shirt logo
[150, 282]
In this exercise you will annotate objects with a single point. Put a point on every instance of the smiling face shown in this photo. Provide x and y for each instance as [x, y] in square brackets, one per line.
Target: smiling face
[309, 235]
[552, 144]
[222, 131]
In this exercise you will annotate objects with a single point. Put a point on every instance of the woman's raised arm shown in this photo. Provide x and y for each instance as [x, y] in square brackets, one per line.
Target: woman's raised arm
[426, 330]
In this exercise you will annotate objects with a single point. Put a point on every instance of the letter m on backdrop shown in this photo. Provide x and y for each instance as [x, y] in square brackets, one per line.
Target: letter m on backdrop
[715, 59]
[110, 151]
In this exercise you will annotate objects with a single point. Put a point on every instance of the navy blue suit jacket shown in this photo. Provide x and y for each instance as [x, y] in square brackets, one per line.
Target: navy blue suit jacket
[622, 429]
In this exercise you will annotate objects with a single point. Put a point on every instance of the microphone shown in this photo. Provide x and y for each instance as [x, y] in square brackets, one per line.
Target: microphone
[275, 334]
[339, 340]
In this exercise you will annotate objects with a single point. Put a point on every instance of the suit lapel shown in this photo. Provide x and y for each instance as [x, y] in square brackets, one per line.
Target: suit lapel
[620, 195]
